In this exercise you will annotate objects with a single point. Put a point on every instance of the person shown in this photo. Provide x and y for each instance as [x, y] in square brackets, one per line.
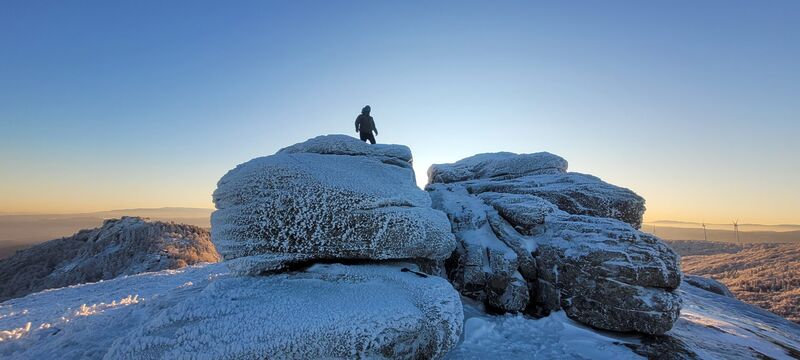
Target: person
[365, 125]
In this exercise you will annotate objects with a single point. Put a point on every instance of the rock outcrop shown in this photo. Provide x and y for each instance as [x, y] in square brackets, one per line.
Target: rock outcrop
[533, 237]
[330, 198]
[125, 246]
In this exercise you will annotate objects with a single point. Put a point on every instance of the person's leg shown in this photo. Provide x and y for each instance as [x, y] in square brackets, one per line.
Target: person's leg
[371, 138]
[364, 136]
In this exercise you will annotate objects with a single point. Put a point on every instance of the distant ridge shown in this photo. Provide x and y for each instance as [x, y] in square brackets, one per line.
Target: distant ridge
[21, 230]
[678, 222]
[117, 212]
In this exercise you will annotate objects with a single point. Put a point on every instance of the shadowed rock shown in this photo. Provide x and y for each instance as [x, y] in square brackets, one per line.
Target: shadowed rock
[571, 238]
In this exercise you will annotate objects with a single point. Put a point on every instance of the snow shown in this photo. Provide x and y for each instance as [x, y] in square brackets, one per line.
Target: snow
[490, 165]
[575, 193]
[328, 310]
[708, 284]
[717, 326]
[347, 145]
[573, 238]
[125, 246]
[711, 327]
[326, 206]
[521, 337]
[204, 312]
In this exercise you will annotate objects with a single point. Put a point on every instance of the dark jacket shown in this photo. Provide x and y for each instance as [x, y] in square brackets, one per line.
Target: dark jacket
[365, 124]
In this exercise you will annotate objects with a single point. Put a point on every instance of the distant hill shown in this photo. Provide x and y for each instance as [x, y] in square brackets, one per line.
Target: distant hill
[19, 231]
[748, 233]
[765, 275]
[727, 226]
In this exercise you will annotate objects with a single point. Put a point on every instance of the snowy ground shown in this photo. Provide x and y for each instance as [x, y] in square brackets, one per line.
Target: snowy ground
[85, 321]
[521, 337]
[710, 327]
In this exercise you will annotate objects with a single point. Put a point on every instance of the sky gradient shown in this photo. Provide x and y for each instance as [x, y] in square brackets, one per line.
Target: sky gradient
[693, 105]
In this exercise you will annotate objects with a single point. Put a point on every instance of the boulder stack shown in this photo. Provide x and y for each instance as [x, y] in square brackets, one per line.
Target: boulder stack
[335, 199]
[330, 198]
[534, 237]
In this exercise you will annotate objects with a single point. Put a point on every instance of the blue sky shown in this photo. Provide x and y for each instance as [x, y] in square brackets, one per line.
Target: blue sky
[694, 105]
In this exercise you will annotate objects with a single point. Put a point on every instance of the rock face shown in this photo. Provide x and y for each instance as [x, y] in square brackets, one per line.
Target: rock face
[329, 199]
[332, 197]
[125, 246]
[533, 237]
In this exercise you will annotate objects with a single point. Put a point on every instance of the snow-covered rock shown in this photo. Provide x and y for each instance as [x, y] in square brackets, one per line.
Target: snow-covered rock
[497, 165]
[205, 312]
[708, 284]
[710, 327]
[534, 237]
[331, 197]
[344, 145]
[125, 246]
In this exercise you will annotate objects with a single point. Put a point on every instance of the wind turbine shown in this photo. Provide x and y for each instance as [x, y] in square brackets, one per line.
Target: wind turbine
[705, 234]
[736, 231]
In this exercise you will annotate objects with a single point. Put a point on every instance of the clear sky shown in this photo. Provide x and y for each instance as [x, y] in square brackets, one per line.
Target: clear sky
[695, 105]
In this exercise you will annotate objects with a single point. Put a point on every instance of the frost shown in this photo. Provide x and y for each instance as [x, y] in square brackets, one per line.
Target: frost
[573, 239]
[328, 310]
[125, 246]
[310, 200]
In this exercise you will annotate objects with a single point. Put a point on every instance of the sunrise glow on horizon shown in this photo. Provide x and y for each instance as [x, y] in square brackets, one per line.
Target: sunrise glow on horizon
[144, 105]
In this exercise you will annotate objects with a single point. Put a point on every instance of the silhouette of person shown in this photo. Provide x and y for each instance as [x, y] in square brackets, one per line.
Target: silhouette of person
[365, 125]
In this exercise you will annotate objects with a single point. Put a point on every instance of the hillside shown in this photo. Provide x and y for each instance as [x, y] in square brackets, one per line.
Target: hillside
[766, 275]
[19, 231]
[125, 246]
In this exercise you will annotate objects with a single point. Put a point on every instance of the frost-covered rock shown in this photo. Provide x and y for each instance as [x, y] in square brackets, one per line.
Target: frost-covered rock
[574, 193]
[331, 197]
[608, 275]
[125, 246]
[497, 165]
[568, 239]
[344, 145]
[708, 284]
[710, 327]
[326, 311]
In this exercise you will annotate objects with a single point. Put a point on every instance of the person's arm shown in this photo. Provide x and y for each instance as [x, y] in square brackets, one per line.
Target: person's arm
[357, 122]
[373, 126]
